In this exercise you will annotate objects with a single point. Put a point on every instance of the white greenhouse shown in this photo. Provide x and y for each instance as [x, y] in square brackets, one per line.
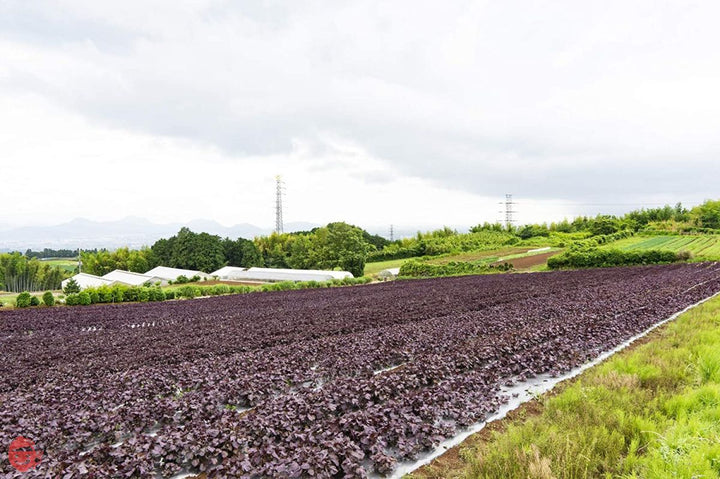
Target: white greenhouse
[333, 274]
[85, 280]
[133, 279]
[171, 274]
[233, 273]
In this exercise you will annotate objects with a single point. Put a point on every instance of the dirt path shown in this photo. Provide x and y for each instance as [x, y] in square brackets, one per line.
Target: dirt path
[528, 261]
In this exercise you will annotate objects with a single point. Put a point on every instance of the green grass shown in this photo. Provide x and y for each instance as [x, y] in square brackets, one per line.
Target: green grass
[8, 299]
[375, 268]
[652, 411]
[68, 265]
[703, 247]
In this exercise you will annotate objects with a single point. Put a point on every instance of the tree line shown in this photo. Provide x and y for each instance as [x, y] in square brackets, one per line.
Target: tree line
[20, 273]
[53, 253]
[339, 245]
[336, 245]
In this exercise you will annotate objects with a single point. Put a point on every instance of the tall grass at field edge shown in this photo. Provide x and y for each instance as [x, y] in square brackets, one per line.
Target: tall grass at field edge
[649, 411]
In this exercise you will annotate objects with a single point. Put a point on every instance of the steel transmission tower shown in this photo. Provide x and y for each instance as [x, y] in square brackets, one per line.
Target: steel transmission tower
[278, 205]
[509, 220]
[392, 233]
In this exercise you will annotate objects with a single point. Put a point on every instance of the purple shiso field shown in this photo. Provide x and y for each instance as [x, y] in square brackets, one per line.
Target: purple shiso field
[327, 383]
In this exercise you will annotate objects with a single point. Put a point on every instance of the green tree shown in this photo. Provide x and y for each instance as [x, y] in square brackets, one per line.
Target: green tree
[604, 225]
[198, 251]
[241, 252]
[140, 261]
[339, 245]
[707, 215]
[162, 250]
[71, 287]
[275, 249]
[20, 273]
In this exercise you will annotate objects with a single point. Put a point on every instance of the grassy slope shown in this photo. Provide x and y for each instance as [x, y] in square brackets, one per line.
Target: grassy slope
[375, 268]
[650, 411]
[68, 265]
[703, 247]
[487, 257]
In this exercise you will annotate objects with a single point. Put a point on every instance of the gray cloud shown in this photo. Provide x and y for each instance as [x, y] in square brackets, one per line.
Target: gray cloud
[566, 100]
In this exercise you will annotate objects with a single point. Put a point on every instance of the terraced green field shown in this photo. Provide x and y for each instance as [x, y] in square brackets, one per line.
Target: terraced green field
[701, 246]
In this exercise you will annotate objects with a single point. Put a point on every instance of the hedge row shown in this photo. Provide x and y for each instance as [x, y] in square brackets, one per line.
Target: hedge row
[418, 269]
[123, 294]
[595, 241]
[599, 258]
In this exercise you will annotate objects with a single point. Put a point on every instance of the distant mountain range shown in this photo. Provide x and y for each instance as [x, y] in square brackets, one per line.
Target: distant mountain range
[135, 232]
[131, 231]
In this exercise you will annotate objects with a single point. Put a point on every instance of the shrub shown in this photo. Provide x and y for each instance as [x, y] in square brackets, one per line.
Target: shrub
[23, 300]
[34, 301]
[187, 292]
[94, 296]
[169, 294]
[71, 287]
[156, 294]
[684, 255]
[72, 299]
[84, 298]
[48, 298]
[219, 289]
[287, 285]
[118, 293]
[182, 279]
[598, 258]
[143, 294]
[419, 269]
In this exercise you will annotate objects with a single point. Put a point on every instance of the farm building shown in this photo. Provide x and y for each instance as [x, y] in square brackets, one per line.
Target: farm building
[85, 280]
[171, 274]
[133, 279]
[390, 273]
[233, 273]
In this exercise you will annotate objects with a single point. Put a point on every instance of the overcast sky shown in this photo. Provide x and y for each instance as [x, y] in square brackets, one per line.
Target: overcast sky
[402, 112]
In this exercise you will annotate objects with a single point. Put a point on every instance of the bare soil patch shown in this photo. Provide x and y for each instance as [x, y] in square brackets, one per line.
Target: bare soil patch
[528, 261]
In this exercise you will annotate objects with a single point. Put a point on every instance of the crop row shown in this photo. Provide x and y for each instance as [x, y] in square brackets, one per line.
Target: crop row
[328, 383]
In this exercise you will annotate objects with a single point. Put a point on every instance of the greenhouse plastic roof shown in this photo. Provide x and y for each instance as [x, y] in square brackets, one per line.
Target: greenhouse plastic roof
[277, 274]
[165, 272]
[133, 279]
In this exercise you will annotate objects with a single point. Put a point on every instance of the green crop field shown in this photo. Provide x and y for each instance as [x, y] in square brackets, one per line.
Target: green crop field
[477, 257]
[68, 265]
[701, 246]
